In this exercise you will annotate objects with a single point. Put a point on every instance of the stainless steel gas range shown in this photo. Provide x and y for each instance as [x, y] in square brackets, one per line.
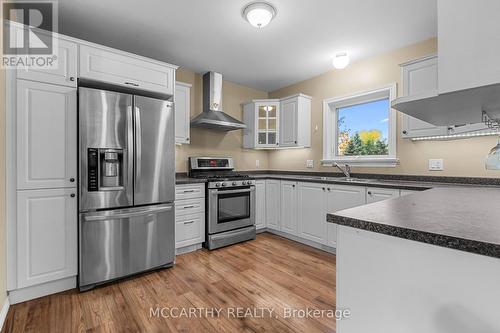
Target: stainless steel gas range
[230, 201]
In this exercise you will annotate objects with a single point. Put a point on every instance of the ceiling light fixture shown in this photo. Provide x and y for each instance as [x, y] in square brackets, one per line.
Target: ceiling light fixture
[341, 60]
[259, 14]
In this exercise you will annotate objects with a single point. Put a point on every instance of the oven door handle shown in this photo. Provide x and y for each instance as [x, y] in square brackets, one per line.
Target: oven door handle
[251, 189]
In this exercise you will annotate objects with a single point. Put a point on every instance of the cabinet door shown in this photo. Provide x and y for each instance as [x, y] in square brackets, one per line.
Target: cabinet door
[342, 197]
[46, 235]
[414, 128]
[182, 112]
[288, 122]
[273, 204]
[46, 135]
[189, 230]
[288, 216]
[267, 120]
[260, 206]
[64, 74]
[312, 212]
[374, 194]
[127, 70]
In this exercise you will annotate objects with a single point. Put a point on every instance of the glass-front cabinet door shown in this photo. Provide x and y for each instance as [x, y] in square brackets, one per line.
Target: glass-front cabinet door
[267, 124]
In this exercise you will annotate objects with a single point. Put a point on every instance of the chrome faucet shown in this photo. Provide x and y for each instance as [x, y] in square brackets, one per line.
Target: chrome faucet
[346, 170]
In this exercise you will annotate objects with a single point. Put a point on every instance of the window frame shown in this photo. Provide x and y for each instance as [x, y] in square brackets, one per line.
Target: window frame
[330, 129]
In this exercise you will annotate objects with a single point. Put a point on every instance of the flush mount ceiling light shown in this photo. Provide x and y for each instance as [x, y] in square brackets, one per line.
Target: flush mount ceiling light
[341, 60]
[259, 14]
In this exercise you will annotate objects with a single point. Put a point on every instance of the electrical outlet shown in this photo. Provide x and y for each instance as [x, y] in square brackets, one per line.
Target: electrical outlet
[436, 164]
[310, 163]
[257, 163]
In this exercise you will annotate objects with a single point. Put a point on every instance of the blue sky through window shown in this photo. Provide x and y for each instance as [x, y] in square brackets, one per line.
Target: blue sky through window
[365, 117]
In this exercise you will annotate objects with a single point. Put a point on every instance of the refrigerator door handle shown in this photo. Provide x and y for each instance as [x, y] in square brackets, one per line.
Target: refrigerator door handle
[121, 214]
[130, 152]
[138, 147]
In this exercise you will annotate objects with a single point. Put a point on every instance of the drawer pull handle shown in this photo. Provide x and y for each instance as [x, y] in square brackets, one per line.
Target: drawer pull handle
[189, 222]
[189, 191]
[187, 207]
[132, 84]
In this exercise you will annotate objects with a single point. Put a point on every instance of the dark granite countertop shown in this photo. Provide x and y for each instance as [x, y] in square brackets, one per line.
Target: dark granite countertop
[183, 179]
[463, 218]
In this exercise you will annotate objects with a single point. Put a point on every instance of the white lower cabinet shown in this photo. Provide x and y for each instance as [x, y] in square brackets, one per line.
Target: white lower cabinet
[273, 204]
[189, 230]
[288, 215]
[260, 204]
[312, 210]
[189, 215]
[374, 194]
[341, 197]
[402, 193]
[46, 235]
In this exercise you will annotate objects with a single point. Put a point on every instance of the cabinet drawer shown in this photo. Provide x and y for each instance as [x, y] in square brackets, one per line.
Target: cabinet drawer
[125, 70]
[190, 191]
[189, 206]
[189, 230]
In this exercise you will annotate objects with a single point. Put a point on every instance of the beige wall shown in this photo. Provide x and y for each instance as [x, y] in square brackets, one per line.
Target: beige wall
[461, 157]
[213, 143]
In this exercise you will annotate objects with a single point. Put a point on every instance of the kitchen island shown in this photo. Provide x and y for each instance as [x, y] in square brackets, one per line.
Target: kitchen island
[427, 262]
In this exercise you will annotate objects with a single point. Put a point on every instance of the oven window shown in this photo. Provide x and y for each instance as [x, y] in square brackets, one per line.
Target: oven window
[235, 206]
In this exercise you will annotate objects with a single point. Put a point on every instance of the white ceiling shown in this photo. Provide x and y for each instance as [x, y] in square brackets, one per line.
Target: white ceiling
[204, 35]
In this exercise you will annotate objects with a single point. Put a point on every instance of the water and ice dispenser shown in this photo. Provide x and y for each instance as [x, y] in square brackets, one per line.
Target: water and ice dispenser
[105, 169]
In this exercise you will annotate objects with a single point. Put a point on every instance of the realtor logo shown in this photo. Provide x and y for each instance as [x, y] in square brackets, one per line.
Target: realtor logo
[28, 39]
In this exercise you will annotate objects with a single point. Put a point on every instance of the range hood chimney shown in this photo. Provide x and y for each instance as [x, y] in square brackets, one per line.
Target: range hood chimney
[212, 116]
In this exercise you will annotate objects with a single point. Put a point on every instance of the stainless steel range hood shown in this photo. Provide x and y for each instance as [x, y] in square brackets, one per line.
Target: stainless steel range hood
[212, 116]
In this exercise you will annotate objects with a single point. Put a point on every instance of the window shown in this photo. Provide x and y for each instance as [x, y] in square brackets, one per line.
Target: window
[360, 129]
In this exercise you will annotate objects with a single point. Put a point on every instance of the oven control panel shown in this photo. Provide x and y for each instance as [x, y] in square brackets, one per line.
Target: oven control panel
[231, 183]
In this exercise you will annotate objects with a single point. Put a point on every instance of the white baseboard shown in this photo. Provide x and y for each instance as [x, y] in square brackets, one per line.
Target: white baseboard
[297, 239]
[53, 287]
[4, 311]
[187, 249]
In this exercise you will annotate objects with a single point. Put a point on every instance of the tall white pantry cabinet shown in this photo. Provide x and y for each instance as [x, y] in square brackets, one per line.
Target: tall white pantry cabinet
[43, 245]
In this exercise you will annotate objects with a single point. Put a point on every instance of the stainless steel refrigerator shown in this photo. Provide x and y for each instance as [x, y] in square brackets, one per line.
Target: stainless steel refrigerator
[126, 184]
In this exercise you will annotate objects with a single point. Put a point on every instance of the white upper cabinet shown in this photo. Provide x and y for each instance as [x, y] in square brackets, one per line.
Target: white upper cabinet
[260, 204]
[46, 135]
[273, 204]
[46, 236]
[288, 216]
[420, 79]
[312, 212]
[278, 123]
[295, 121]
[262, 120]
[468, 66]
[468, 44]
[124, 69]
[66, 71]
[182, 112]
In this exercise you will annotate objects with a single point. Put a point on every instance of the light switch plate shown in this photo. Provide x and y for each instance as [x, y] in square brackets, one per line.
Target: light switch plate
[436, 164]
[310, 163]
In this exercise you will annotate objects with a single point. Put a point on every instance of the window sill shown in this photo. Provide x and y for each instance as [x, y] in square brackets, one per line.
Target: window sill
[369, 162]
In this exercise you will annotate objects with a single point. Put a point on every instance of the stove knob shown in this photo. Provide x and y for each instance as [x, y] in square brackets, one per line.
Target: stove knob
[217, 184]
[223, 184]
[235, 183]
[246, 183]
[249, 182]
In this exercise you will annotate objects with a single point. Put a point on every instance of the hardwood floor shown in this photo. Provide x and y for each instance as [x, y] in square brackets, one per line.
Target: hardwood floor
[268, 273]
